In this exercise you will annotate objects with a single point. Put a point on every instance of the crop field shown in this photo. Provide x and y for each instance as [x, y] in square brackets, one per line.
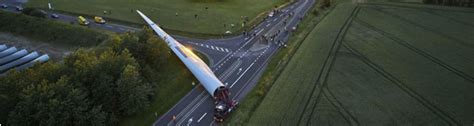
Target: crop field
[379, 64]
[208, 21]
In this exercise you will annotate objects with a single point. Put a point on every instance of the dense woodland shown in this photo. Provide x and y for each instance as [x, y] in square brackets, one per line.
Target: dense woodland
[89, 87]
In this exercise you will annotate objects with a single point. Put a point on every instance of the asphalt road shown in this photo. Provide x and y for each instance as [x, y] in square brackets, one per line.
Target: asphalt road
[237, 61]
[239, 70]
[68, 18]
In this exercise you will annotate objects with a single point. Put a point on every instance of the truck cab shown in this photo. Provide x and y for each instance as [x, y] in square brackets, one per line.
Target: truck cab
[224, 105]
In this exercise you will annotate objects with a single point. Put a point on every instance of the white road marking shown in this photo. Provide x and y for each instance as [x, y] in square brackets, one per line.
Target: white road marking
[248, 68]
[226, 50]
[199, 120]
[212, 47]
[193, 109]
[207, 46]
[258, 32]
[202, 44]
[267, 25]
[190, 121]
[275, 19]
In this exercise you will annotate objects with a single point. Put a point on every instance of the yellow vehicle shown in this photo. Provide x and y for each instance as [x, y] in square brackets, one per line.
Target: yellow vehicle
[99, 20]
[82, 20]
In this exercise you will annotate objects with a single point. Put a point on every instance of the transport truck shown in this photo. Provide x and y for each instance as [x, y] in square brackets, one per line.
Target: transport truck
[224, 105]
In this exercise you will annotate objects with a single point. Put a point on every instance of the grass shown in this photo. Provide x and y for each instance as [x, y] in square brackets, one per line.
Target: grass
[274, 68]
[208, 21]
[377, 64]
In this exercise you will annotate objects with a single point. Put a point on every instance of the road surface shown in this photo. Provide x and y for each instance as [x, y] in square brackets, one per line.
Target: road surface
[240, 68]
[237, 61]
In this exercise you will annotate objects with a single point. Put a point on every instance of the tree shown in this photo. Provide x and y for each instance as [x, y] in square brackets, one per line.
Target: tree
[134, 93]
[57, 103]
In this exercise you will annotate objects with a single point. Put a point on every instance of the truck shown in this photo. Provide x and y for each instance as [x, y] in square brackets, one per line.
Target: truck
[82, 21]
[224, 105]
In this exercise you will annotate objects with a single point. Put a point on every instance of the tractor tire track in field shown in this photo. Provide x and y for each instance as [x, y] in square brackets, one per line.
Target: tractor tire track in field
[379, 9]
[418, 8]
[418, 51]
[426, 103]
[450, 18]
[433, 12]
[336, 103]
[328, 63]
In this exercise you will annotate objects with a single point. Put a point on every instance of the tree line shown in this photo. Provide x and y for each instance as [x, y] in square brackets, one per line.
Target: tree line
[90, 87]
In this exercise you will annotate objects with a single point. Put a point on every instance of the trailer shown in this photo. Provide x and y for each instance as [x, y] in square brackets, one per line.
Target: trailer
[223, 104]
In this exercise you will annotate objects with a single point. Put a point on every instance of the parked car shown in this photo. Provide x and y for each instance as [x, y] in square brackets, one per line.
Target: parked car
[271, 14]
[18, 8]
[82, 21]
[99, 20]
[4, 6]
[55, 16]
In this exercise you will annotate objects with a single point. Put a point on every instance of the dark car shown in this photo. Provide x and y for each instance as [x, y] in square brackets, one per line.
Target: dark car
[18, 8]
[55, 16]
[4, 6]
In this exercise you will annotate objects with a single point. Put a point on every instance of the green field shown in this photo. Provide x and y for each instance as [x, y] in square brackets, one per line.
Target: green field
[209, 21]
[378, 64]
